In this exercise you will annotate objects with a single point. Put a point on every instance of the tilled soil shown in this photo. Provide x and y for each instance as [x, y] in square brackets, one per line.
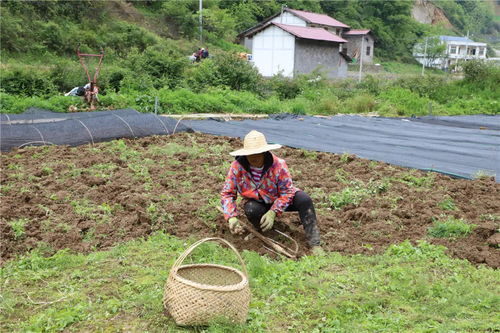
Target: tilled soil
[89, 198]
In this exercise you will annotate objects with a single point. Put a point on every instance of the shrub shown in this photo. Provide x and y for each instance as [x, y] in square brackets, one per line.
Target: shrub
[285, 88]
[67, 74]
[371, 84]
[479, 71]
[26, 82]
[360, 104]
[326, 105]
[224, 69]
[18, 104]
[424, 86]
[402, 101]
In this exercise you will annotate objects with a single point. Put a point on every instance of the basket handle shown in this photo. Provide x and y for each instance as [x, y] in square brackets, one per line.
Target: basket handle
[190, 249]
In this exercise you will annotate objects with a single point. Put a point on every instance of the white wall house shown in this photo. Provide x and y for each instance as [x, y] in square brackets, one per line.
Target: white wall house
[294, 41]
[274, 51]
[457, 49]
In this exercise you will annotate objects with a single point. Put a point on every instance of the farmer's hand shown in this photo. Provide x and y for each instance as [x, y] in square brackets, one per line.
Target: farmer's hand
[235, 226]
[267, 221]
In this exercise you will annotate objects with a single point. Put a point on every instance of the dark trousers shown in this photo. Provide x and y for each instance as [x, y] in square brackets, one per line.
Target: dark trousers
[302, 203]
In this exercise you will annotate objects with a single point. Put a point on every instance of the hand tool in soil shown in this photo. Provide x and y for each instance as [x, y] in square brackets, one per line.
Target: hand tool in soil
[276, 247]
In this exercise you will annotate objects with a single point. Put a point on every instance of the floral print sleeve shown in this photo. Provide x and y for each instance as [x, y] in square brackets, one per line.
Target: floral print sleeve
[229, 193]
[286, 190]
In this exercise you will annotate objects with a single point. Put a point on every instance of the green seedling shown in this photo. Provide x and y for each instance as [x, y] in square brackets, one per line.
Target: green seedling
[447, 204]
[18, 227]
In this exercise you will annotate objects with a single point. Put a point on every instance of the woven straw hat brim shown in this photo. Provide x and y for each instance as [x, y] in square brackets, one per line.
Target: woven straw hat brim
[246, 152]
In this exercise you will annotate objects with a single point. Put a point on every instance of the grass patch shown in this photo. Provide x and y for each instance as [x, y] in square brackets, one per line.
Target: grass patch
[18, 227]
[450, 228]
[411, 288]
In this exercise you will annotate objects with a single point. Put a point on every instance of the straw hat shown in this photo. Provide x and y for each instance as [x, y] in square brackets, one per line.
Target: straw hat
[254, 143]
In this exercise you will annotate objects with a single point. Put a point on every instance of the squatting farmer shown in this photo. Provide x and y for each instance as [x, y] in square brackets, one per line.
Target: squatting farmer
[264, 182]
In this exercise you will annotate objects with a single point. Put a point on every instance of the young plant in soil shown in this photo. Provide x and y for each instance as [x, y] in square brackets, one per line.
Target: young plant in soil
[450, 228]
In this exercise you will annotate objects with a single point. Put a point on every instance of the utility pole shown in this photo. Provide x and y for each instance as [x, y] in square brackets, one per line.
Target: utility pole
[361, 58]
[425, 56]
[201, 22]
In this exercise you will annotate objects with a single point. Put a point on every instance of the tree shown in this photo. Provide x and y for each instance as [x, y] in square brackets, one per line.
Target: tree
[434, 50]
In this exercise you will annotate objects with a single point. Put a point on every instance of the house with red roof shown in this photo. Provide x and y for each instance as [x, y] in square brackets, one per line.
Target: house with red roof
[357, 40]
[297, 42]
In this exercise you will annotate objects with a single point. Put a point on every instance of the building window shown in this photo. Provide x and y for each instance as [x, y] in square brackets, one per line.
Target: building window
[368, 50]
[481, 51]
[453, 50]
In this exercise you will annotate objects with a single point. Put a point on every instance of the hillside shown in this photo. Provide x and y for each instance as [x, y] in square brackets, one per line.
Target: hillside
[147, 44]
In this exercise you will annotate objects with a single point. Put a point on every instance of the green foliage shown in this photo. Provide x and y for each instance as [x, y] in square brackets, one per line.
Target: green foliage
[401, 101]
[349, 195]
[224, 69]
[450, 228]
[122, 289]
[18, 227]
[482, 73]
[164, 67]
[181, 14]
[360, 104]
[285, 88]
[473, 16]
[26, 82]
[447, 204]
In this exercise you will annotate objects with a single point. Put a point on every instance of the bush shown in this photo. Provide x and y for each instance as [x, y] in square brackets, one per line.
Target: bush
[18, 104]
[326, 105]
[26, 82]
[402, 102]
[285, 88]
[224, 69]
[424, 86]
[360, 104]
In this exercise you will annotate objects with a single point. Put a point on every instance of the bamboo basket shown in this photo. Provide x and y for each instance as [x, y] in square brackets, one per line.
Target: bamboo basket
[201, 293]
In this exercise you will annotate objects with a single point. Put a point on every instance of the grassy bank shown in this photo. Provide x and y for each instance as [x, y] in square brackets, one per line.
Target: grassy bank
[408, 289]
[211, 88]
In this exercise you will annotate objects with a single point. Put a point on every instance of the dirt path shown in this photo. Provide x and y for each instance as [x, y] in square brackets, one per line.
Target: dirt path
[90, 198]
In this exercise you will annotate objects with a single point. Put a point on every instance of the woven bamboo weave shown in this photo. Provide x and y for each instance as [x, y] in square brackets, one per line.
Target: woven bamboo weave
[198, 294]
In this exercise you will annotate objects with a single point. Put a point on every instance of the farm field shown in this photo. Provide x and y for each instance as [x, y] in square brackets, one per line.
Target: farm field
[89, 232]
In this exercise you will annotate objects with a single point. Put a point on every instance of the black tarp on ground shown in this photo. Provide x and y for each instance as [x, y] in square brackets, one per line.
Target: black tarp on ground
[463, 146]
[46, 127]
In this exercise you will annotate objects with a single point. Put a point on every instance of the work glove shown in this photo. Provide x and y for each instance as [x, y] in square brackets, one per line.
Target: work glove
[235, 226]
[267, 221]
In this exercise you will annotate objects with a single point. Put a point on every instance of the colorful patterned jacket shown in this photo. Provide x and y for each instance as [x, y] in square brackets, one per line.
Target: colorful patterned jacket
[275, 187]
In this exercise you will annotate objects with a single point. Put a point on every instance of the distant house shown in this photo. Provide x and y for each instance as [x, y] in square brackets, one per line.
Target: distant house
[358, 40]
[294, 42]
[456, 49]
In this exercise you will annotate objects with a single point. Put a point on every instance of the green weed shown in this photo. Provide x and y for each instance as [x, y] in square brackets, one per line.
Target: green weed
[450, 228]
[409, 178]
[18, 227]
[349, 195]
[447, 204]
[313, 155]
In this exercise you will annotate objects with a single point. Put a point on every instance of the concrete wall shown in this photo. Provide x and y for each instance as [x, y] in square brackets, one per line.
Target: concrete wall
[311, 54]
[248, 43]
[354, 44]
